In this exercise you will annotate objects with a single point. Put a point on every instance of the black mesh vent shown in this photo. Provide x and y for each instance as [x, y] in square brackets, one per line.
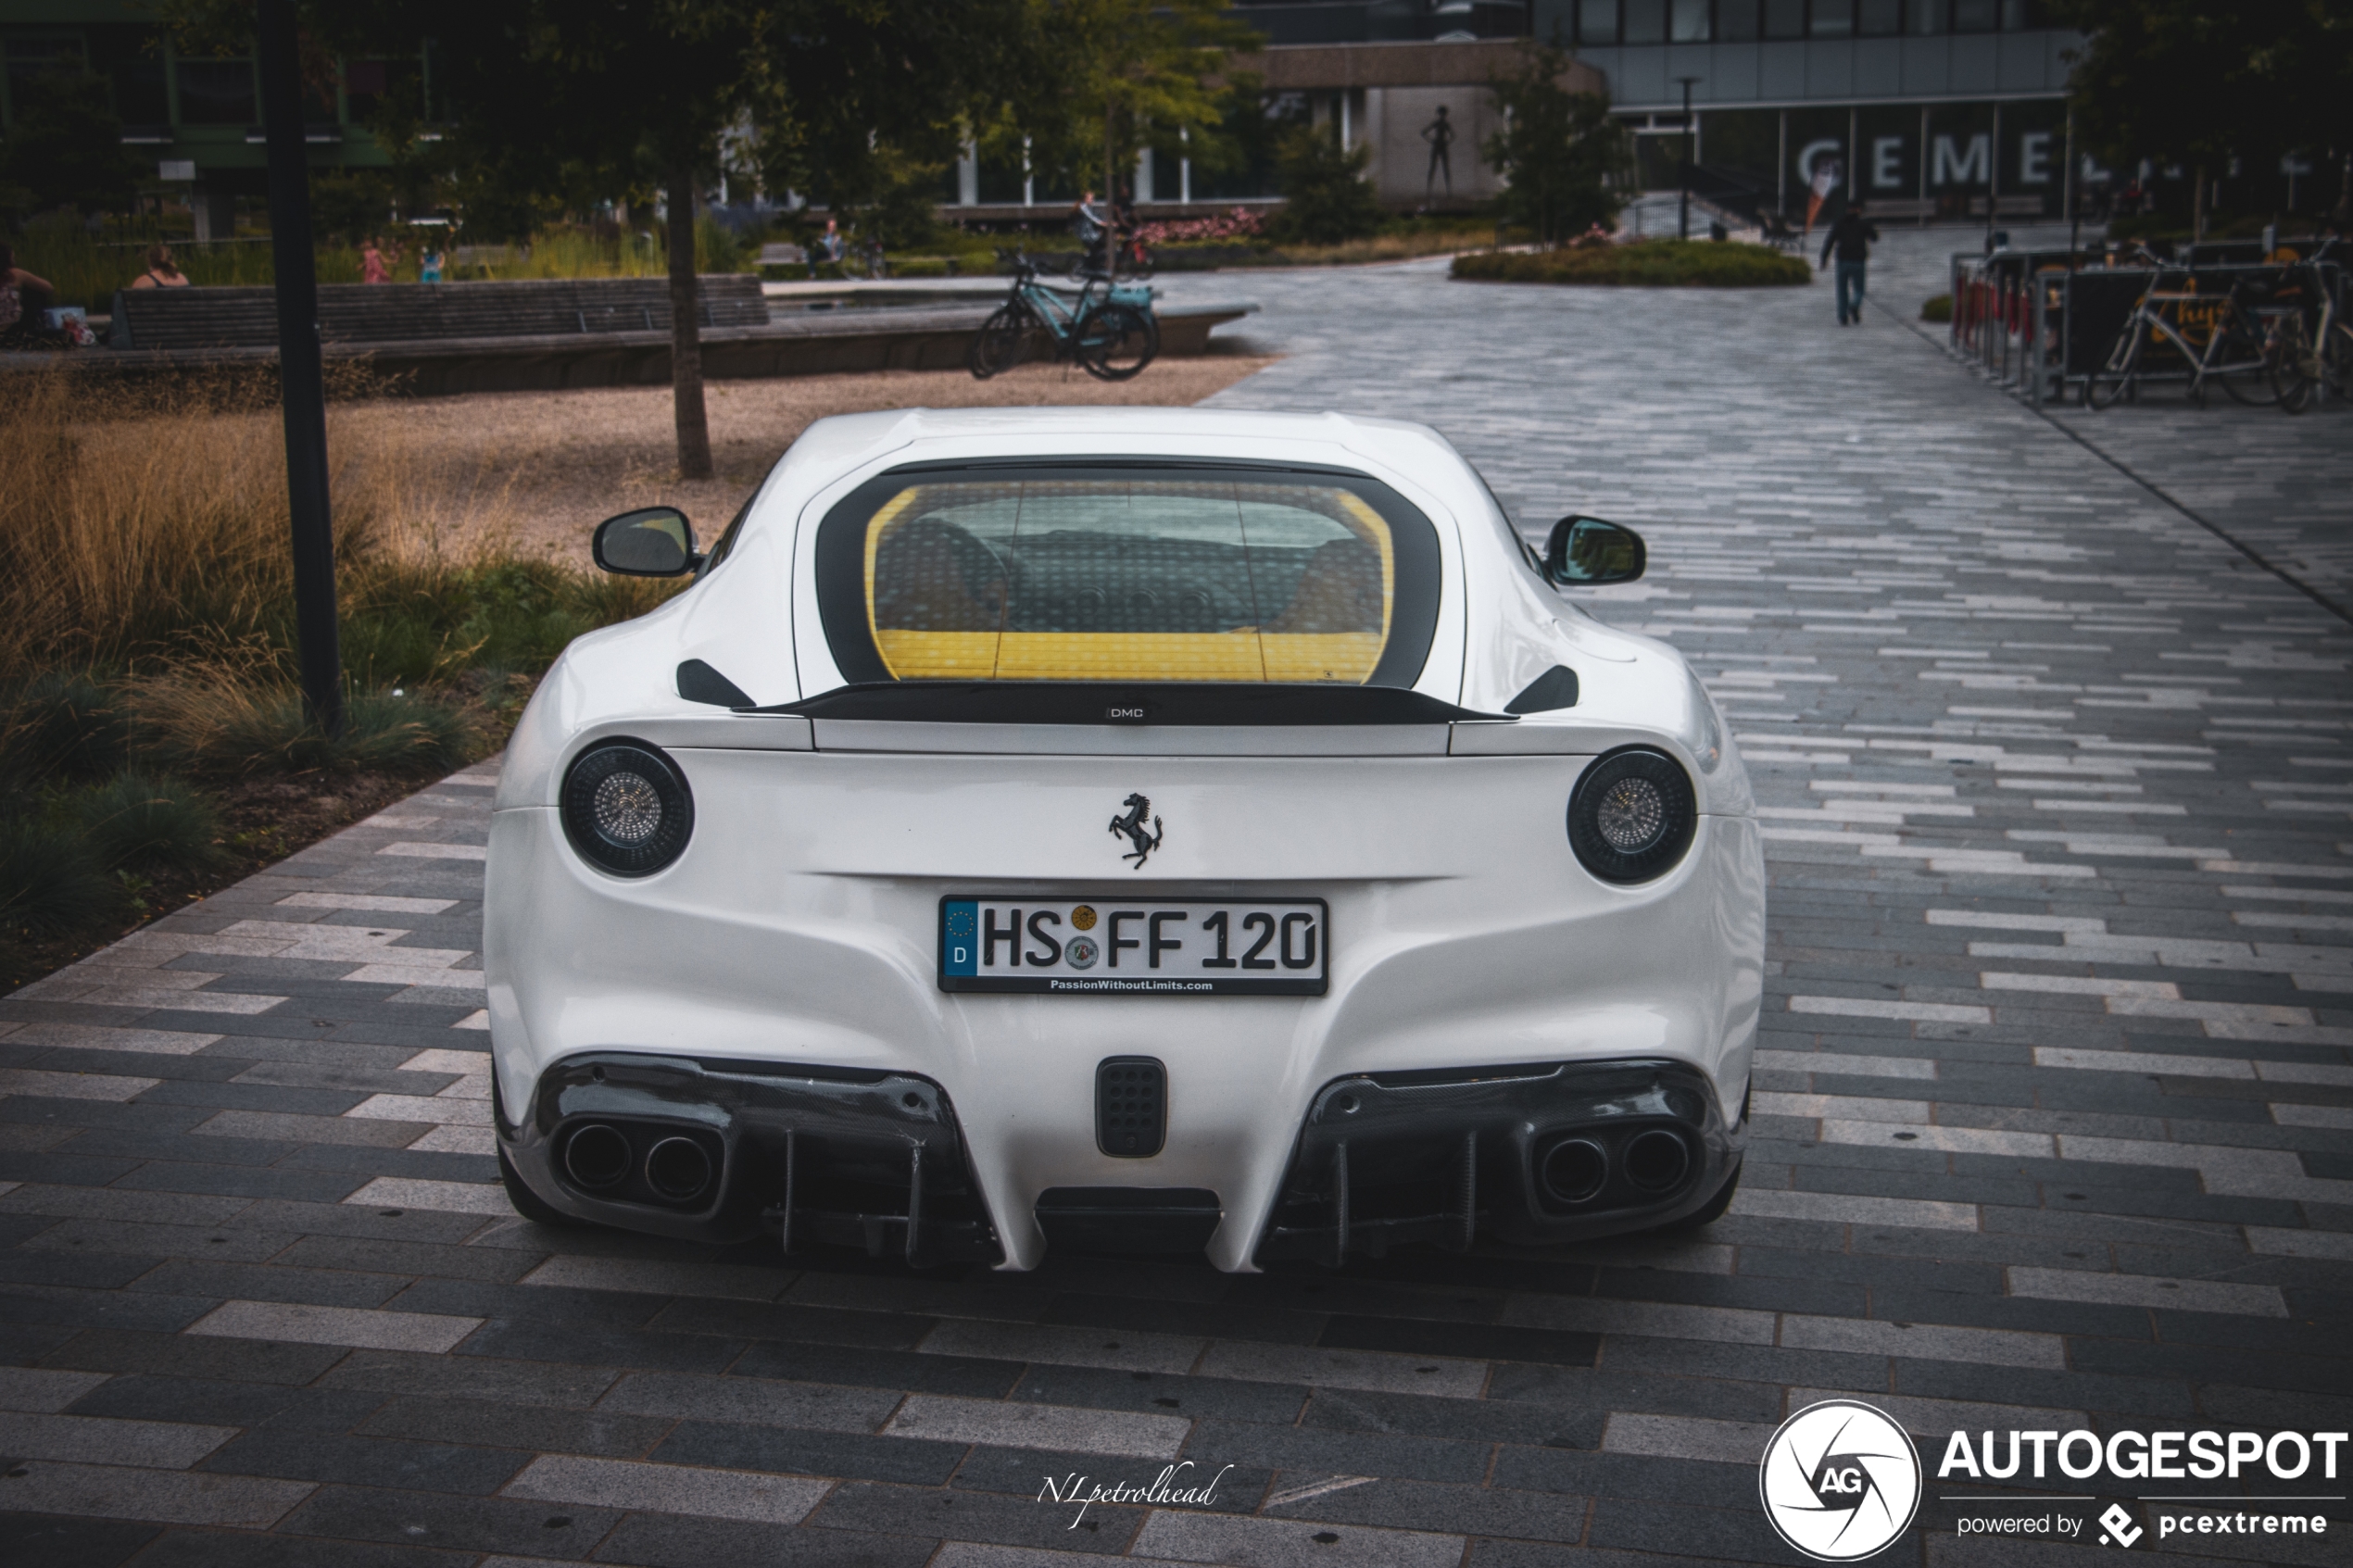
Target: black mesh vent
[1131, 1106]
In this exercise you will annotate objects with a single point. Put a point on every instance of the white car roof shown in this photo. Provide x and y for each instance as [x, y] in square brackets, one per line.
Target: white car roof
[843, 441]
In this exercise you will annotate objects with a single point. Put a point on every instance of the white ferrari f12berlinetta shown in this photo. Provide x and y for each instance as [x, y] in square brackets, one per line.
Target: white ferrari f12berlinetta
[1141, 829]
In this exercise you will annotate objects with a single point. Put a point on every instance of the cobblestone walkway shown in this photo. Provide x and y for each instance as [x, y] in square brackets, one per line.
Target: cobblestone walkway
[2052, 1102]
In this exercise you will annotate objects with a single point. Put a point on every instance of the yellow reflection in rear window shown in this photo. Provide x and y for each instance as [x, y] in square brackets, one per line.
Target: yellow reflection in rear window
[1115, 580]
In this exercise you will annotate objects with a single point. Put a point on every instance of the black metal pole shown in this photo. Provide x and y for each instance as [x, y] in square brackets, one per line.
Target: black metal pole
[301, 375]
[1683, 204]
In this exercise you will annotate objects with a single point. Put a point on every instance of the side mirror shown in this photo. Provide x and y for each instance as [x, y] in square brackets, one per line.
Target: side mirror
[650, 542]
[1585, 552]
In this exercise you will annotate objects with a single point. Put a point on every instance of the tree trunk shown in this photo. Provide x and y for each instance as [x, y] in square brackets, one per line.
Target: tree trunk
[685, 329]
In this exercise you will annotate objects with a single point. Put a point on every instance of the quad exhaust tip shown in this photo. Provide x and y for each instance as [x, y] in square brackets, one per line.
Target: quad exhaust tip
[1573, 1171]
[597, 1156]
[678, 1169]
[1657, 1160]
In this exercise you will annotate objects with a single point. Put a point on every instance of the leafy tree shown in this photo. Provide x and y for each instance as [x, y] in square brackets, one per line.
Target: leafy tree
[1567, 163]
[1326, 200]
[580, 102]
[66, 148]
[2189, 83]
[1106, 78]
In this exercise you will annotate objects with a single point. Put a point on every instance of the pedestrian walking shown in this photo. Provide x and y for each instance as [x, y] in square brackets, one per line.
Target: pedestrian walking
[429, 264]
[1852, 237]
[1093, 226]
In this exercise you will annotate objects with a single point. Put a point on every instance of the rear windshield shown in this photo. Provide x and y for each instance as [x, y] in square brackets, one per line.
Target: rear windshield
[1131, 574]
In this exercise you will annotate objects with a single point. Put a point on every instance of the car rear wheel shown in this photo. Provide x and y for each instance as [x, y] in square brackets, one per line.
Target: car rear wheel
[527, 1203]
[1708, 1213]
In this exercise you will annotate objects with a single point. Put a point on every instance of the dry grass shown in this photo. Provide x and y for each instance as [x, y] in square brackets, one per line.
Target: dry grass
[150, 524]
[534, 471]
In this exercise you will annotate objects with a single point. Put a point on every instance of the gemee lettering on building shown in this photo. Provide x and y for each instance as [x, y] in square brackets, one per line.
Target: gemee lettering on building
[2134, 1456]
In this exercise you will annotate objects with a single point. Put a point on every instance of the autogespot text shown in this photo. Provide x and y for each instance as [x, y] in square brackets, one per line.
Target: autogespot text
[2135, 1456]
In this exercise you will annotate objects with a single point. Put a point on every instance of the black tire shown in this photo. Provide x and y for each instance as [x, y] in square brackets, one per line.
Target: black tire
[2103, 387]
[2294, 373]
[1002, 343]
[1115, 342]
[527, 1203]
[2255, 388]
[1707, 1213]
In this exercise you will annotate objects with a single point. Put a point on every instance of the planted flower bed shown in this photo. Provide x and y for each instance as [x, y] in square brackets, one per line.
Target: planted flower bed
[1641, 264]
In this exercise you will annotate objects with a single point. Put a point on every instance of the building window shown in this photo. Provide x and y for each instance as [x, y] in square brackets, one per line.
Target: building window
[216, 93]
[1645, 21]
[2017, 15]
[1784, 18]
[1597, 21]
[30, 58]
[1736, 20]
[139, 95]
[1924, 16]
[1879, 19]
[1691, 21]
[1976, 16]
[1833, 18]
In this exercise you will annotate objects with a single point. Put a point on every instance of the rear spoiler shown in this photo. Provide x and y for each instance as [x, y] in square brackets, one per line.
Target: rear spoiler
[1188, 704]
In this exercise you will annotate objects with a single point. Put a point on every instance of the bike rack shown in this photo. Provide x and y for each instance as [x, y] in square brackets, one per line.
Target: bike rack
[2037, 323]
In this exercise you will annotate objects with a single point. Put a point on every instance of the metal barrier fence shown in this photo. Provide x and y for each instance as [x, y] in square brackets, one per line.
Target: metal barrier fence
[2042, 322]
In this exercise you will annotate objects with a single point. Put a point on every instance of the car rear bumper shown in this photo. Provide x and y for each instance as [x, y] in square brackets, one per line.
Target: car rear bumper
[877, 1160]
[804, 1153]
[1532, 1152]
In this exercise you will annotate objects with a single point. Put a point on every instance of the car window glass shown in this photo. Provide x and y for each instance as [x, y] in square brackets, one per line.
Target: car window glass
[1142, 579]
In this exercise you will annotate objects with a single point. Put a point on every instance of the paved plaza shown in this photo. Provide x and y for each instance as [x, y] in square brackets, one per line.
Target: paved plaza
[2052, 1105]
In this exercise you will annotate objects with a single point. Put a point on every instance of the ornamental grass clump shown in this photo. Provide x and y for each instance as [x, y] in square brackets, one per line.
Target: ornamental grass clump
[152, 730]
[1640, 264]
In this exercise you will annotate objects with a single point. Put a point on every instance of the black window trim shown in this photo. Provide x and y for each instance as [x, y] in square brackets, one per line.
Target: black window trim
[841, 564]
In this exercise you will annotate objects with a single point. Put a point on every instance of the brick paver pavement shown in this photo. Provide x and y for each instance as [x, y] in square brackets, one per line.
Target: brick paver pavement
[2052, 1099]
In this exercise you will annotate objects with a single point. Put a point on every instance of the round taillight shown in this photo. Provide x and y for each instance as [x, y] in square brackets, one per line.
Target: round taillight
[1631, 816]
[626, 808]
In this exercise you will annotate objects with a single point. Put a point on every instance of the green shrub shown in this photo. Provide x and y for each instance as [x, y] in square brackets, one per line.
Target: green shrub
[49, 880]
[62, 725]
[135, 818]
[1325, 196]
[1939, 308]
[1643, 264]
[226, 728]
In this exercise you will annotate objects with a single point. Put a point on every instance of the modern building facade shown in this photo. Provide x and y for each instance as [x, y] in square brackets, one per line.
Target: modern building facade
[1925, 109]
[198, 116]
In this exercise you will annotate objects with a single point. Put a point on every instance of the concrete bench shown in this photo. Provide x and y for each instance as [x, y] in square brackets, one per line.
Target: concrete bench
[397, 313]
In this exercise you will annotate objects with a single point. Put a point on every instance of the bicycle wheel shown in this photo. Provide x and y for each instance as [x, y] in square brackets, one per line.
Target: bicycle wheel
[1002, 343]
[2250, 357]
[2296, 371]
[2103, 387]
[1114, 341]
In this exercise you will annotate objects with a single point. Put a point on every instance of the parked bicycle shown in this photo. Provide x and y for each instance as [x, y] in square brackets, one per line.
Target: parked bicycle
[2246, 340]
[1108, 327]
[2321, 355]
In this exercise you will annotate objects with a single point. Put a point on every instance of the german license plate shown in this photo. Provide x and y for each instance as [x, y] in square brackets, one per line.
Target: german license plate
[1128, 947]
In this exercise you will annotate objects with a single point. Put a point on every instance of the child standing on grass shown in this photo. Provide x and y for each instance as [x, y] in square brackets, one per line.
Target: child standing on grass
[375, 265]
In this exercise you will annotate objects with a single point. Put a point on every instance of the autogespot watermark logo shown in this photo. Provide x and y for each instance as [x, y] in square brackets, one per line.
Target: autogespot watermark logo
[1840, 1480]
